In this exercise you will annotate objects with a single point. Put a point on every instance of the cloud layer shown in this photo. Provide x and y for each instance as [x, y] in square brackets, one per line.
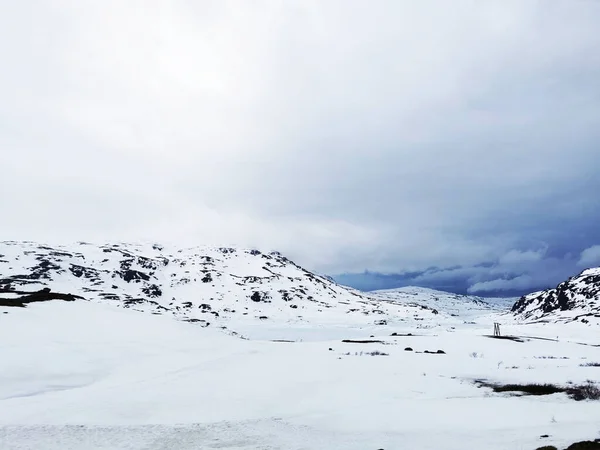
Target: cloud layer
[590, 257]
[394, 137]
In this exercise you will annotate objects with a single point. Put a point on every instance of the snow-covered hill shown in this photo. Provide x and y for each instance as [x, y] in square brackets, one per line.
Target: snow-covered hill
[216, 286]
[577, 299]
[94, 374]
[462, 306]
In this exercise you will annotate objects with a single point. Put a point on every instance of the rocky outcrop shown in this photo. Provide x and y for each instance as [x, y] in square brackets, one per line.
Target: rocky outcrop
[577, 299]
[13, 298]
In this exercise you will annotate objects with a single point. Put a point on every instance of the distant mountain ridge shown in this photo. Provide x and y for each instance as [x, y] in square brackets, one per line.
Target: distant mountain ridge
[455, 304]
[576, 299]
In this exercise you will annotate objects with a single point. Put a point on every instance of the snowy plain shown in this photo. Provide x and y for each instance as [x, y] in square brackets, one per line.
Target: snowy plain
[85, 375]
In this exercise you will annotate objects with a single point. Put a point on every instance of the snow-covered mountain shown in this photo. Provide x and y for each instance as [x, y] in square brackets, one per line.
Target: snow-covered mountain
[204, 285]
[577, 299]
[92, 373]
[463, 306]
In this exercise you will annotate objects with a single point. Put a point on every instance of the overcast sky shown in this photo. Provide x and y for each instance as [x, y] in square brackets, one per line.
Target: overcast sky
[456, 143]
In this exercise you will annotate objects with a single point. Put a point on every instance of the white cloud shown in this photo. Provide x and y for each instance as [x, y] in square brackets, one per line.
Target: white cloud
[515, 257]
[590, 257]
[501, 284]
[388, 136]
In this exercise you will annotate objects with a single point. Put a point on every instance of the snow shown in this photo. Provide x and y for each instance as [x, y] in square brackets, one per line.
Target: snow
[576, 299]
[591, 272]
[454, 304]
[87, 375]
[286, 293]
[93, 374]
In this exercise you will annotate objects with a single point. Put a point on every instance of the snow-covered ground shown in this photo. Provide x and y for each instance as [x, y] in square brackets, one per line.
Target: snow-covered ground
[86, 375]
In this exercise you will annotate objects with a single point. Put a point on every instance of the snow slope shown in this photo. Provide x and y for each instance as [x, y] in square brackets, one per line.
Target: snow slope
[223, 287]
[463, 306]
[116, 371]
[577, 299]
[87, 375]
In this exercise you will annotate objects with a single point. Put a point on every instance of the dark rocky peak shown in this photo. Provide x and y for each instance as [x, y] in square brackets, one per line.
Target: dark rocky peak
[577, 298]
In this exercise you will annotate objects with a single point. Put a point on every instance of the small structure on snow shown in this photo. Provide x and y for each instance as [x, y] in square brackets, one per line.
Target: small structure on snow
[496, 329]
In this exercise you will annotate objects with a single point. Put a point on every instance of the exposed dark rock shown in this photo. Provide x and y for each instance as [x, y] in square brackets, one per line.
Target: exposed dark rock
[585, 445]
[152, 291]
[260, 297]
[207, 278]
[130, 275]
[204, 323]
[39, 296]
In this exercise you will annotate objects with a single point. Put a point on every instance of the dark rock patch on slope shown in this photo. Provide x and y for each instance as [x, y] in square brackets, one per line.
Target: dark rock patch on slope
[21, 298]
